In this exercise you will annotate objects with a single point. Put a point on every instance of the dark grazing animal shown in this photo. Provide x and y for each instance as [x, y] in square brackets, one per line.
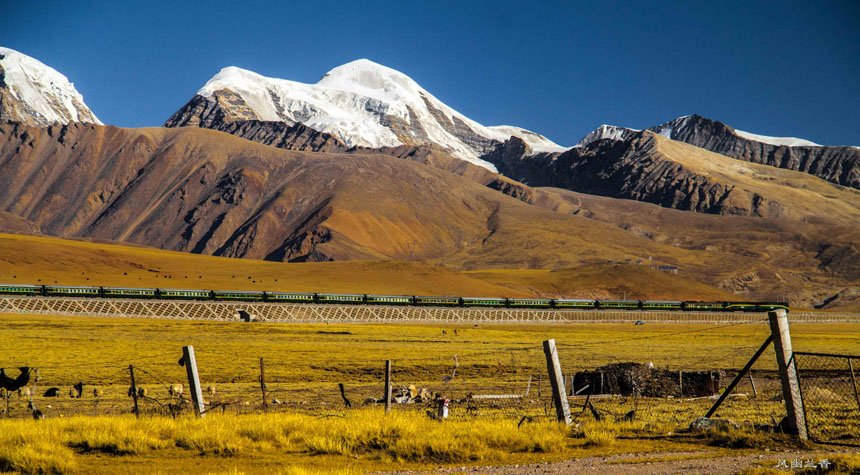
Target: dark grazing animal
[79, 390]
[10, 384]
[52, 392]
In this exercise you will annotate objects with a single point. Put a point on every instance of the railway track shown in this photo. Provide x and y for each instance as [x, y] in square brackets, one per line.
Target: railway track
[316, 313]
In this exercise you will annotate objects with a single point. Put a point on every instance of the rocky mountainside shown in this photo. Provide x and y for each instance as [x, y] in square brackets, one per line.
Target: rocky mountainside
[361, 104]
[203, 191]
[207, 192]
[836, 164]
[647, 167]
[35, 94]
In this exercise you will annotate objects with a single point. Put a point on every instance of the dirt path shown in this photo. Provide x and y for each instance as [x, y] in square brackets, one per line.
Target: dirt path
[638, 464]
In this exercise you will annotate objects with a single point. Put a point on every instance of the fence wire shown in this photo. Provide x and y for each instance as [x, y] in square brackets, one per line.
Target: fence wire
[642, 380]
[830, 392]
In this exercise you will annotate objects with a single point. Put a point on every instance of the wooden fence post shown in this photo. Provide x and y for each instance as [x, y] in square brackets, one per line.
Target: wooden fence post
[263, 385]
[133, 391]
[795, 422]
[529, 385]
[540, 383]
[752, 383]
[556, 379]
[387, 386]
[193, 379]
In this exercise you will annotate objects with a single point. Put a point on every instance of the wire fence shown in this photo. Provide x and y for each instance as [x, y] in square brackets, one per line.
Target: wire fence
[646, 380]
[831, 396]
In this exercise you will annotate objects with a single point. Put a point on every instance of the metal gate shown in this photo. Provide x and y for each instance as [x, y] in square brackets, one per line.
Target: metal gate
[831, 396]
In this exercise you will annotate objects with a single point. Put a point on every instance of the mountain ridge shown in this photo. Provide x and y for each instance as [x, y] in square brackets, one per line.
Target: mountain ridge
[360, 103]
[36, 94]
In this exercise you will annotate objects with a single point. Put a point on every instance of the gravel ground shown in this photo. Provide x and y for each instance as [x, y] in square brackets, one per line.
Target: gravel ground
[614, 464]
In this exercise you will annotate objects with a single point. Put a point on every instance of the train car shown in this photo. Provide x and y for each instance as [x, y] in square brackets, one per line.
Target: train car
[185, 294]
[530, 303]
[483, 302]
[237, 295]
[768, 306]
[704, 306]
[341, 298]
[63, 291]
[437, 301]
[9, 289]
[618, 304]
[288, 297]
[389, 299]
[129, 293]
[661, 305]
[575, 303]
[741, 307]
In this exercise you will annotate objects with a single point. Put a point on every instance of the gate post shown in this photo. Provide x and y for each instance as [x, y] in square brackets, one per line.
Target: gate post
[795, 421]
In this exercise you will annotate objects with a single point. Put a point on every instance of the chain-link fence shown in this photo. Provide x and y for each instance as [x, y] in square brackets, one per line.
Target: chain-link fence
[831, 396]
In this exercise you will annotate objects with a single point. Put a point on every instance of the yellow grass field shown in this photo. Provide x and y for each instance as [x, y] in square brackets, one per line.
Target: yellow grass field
[310, 432]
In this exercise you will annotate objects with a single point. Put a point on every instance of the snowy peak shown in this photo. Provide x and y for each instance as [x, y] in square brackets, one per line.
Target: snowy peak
[361, 103]
[35, 94]
[367, 75]
[606, 132]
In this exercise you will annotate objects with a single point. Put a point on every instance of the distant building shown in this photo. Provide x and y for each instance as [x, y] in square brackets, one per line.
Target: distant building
[671, 269]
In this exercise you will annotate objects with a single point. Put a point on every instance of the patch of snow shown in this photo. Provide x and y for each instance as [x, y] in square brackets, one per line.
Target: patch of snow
[353, 102]
[42, 88]
[605, 131]
[537, 142]
[788, 141]
[665, 132]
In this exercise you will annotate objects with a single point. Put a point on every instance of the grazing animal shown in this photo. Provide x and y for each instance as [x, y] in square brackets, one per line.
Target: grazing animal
[73, 393]
[141, 391]
[52, 392]
[98, 392]
[79, 390]
[175, 389]
[210, 390]
[10, 384]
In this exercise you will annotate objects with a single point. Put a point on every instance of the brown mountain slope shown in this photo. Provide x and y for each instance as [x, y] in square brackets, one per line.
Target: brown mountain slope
[45, 260]
[207, 192]
[647, 167]
[835, 164]
[815, 261]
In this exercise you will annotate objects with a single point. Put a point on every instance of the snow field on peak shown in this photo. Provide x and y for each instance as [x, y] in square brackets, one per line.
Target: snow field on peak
[42, 88]
[787, 141]
[352, 101]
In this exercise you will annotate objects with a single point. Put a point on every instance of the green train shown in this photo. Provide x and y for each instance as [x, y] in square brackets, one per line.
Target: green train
[396, 300]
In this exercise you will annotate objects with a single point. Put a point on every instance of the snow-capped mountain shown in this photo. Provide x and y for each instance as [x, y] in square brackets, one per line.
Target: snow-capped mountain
[837, 164]
[360, 103]
[35, 94]
[684, 127]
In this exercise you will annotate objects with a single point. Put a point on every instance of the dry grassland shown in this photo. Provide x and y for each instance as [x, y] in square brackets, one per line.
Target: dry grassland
[48, 260]
[304, 363]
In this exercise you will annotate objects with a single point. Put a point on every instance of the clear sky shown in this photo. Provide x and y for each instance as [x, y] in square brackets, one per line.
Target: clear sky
[787, 68]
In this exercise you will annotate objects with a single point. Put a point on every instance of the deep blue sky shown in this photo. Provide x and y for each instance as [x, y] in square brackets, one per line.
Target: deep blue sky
[561, 69]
